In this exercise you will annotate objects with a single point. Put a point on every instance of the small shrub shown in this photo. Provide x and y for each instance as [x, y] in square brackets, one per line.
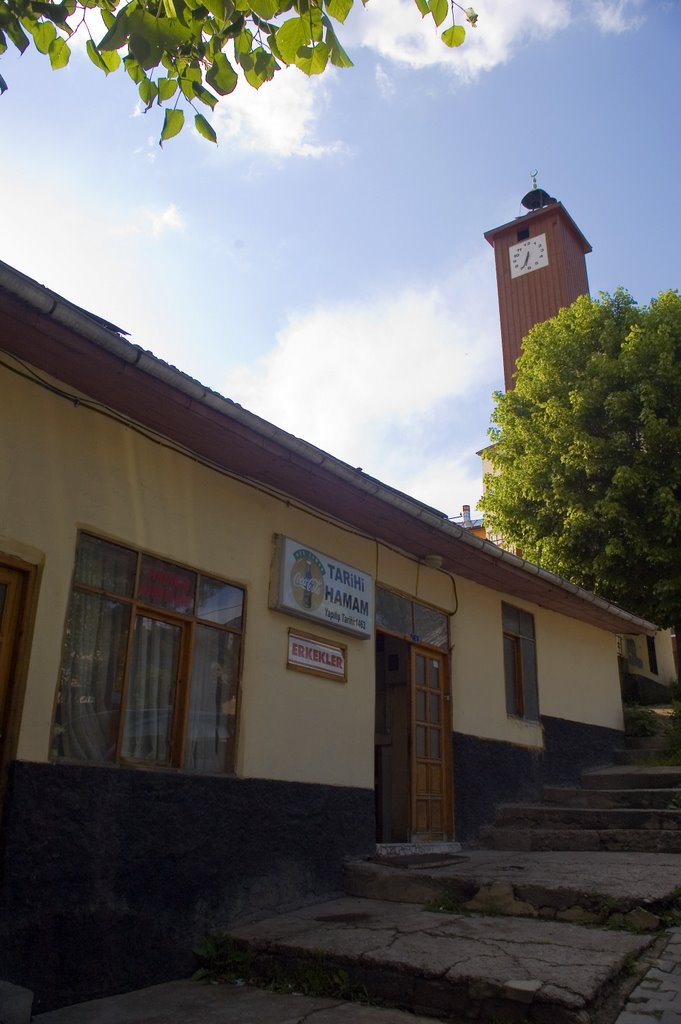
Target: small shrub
[222, 959]
[639, 721]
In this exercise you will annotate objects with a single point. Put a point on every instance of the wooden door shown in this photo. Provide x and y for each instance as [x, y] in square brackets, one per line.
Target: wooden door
[11, 594]
[431, 815]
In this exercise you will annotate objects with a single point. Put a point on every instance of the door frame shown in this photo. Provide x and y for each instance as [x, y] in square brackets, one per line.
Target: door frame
[413, 647]
[444, 724]
[17, 660]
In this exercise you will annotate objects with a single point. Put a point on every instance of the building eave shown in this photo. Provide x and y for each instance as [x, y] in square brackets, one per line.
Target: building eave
[92, 357]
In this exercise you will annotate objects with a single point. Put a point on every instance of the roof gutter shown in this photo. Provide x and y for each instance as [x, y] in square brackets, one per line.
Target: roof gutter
[108, 337]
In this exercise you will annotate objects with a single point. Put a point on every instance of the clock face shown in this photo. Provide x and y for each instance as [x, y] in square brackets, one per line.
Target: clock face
[528, 255]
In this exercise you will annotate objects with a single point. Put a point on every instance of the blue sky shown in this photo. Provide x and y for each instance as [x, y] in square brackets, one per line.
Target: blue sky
[325, 264]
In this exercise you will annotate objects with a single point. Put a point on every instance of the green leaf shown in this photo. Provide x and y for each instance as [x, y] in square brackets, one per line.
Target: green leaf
[169, 8]
[43, 33]
[167, 87]
[17, 34]
[454, 36]
[117, 34]
[205, 96]
[148, 92]
[292, 35]
[221, 10]
[265, 8]
[338, 9]
[439, 9]
[337, 54]
[173, 123]
[204, 128]
[3, 85]
[312, 59]
[221, 76]
[58, 13]
[133, 69]
[59, 53]
[96, 57]
[3, 42]
[423, 7]
[261, 67]
[111, 59]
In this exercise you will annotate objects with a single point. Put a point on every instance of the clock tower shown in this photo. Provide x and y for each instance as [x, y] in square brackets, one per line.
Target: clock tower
[541, 267]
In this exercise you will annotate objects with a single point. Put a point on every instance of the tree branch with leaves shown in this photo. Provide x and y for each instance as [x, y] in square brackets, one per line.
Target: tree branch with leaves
[189, 53]
[587, 456]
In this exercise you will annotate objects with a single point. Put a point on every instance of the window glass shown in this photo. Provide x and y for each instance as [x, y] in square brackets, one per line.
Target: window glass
[151, 689]
[526, 624]
[529, 671]
[105, 566]
[212, 706]
[511, 676]
[510, 618]
[408, 618]
[219, 602]
[520, 663]
[393, 612]
[124, 696]
[93, 665]
[430, 626]
[166, 586]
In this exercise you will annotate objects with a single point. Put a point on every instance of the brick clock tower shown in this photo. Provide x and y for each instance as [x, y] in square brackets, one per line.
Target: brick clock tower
[541, 267]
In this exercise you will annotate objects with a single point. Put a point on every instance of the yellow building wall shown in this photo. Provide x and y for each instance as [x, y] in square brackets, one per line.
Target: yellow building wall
[635, 651]
[65, 467]
[577, 673]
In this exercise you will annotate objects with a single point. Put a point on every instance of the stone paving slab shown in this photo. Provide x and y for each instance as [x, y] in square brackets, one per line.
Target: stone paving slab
[657, 997]
[186, 1002]
[541, 878]
[465, 965]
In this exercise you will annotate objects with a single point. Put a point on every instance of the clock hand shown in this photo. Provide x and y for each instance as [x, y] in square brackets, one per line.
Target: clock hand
[527, 258]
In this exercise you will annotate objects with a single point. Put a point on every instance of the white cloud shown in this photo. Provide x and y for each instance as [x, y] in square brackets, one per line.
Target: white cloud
[279, 120]
[385, 384]
[384, 82]
[150, 223]
[396, 32]
[616, 15]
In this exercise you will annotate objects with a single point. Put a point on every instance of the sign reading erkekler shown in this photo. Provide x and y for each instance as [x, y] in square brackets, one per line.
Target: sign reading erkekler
[316, 586]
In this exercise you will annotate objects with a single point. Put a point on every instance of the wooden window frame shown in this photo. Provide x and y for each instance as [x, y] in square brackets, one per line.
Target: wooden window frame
[523, 685]
[188, 623]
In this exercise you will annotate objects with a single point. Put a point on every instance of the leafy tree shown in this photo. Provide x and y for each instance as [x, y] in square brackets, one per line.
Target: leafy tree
[179, 50]
[587, 463]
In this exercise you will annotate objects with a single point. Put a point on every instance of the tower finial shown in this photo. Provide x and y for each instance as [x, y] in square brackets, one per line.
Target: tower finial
[533, 175]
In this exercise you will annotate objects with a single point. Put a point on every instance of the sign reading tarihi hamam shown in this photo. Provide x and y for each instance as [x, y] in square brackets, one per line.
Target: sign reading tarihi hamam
[316, 586]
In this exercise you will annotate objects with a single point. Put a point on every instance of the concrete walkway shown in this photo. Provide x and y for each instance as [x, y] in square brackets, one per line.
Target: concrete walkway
[655, 1000]
[532, 968]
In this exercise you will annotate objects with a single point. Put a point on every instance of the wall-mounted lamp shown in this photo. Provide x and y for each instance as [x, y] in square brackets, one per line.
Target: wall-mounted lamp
[433, 561]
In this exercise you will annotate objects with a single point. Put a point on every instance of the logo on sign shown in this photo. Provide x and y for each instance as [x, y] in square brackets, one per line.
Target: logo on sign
[307, 580]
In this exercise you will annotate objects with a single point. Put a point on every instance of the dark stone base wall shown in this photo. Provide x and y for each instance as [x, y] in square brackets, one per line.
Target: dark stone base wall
[110, 876]
[488, 773]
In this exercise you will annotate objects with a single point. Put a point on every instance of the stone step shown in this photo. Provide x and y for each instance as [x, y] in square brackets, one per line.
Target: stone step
[642, 777]
[612, 839]
[639, 755]
[443, 965]
[658, 742]
[541, 816]
[564, 796]
[639, 889]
